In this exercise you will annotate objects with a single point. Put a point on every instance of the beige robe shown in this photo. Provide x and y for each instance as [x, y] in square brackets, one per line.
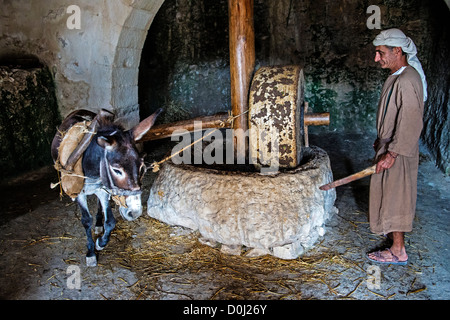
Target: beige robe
[393, 192]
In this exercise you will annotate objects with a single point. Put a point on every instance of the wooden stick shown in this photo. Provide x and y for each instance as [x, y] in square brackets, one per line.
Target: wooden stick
[305, 126]
[242, 62]
[317, 119]
[162, 131]
[356, 176]
[82, 146]
[86, 140]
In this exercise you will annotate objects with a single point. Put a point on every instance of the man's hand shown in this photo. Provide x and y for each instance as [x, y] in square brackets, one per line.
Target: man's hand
[386, 161]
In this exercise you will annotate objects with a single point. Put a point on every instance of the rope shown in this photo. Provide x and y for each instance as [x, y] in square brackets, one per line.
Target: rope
[59, 169]
[156, 165]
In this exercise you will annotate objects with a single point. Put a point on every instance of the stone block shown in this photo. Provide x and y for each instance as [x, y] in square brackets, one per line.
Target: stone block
[125, 77]
[151, 6]
[139, 19]
[124, 95]
[132, 38]
[127, 58]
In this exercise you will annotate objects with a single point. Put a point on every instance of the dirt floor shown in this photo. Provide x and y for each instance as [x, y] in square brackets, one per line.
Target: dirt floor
[42, 247]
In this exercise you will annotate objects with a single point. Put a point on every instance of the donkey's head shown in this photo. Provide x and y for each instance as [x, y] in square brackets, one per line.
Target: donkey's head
[121, 166]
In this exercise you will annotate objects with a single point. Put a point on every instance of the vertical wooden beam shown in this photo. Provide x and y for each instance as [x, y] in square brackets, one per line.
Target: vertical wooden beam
[242, 64]
[305, 126]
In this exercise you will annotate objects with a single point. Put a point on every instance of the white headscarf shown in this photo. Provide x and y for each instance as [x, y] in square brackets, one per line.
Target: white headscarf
[396, 38]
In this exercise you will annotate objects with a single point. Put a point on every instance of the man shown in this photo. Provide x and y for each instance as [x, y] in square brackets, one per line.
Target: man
[393, 189]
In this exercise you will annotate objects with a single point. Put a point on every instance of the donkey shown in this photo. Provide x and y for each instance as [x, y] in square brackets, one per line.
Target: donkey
[112, 166]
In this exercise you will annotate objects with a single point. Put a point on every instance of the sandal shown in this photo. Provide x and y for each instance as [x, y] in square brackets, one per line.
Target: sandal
[380, 259]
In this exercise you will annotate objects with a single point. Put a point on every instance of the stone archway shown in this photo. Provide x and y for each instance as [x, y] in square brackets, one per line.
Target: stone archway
[125, 68]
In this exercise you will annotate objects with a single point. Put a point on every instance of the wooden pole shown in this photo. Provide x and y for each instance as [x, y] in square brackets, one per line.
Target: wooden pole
[317, 119]
[218, 120]
[242, 65]
[166, 130]
[86, 140]
[356, 176]
[305, 126]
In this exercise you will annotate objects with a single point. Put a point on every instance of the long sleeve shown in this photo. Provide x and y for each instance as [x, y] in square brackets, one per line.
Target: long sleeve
[409, 122]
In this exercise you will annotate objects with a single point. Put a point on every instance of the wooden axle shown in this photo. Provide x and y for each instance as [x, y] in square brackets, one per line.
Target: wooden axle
[314, 119]
[317, 119]
[218, 120]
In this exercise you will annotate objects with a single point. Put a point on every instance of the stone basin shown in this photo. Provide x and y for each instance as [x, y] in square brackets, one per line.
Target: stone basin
[283, 214]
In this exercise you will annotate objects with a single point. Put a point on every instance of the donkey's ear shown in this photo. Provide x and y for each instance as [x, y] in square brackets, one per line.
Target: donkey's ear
[107, 142]
[141, 129]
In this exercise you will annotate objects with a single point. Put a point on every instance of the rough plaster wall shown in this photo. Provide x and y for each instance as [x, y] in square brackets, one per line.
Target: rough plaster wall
[93, 67]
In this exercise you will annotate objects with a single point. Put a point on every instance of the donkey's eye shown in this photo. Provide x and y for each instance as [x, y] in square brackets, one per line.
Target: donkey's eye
[117, 171]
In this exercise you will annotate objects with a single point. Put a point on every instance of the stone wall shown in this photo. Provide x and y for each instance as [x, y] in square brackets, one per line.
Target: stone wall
[28, 119]
[185, 66]
[186, 56]
[436, 133]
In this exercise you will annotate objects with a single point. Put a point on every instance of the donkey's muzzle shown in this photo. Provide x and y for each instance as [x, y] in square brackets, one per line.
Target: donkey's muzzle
[133, 208]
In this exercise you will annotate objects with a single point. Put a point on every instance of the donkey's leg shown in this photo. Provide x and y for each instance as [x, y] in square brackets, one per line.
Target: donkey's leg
[99, 219]
[86, 220]
[110, 221]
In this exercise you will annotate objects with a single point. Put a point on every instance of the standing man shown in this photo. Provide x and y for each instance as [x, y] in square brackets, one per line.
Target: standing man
[393, 189]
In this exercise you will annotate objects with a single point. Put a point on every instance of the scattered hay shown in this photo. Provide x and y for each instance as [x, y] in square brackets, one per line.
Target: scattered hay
[172, 264]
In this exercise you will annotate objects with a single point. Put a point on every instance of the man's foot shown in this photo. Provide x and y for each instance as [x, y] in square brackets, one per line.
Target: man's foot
[387, 257]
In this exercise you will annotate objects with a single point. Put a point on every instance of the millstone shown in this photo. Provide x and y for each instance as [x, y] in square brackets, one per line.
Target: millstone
[276, 116]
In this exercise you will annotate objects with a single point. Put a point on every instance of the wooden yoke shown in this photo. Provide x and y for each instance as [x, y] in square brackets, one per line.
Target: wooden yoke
[242, 65]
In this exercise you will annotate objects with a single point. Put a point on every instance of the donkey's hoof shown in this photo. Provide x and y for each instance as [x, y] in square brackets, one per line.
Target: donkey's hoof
[91, 261]
[98, 230]
[98, 246]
